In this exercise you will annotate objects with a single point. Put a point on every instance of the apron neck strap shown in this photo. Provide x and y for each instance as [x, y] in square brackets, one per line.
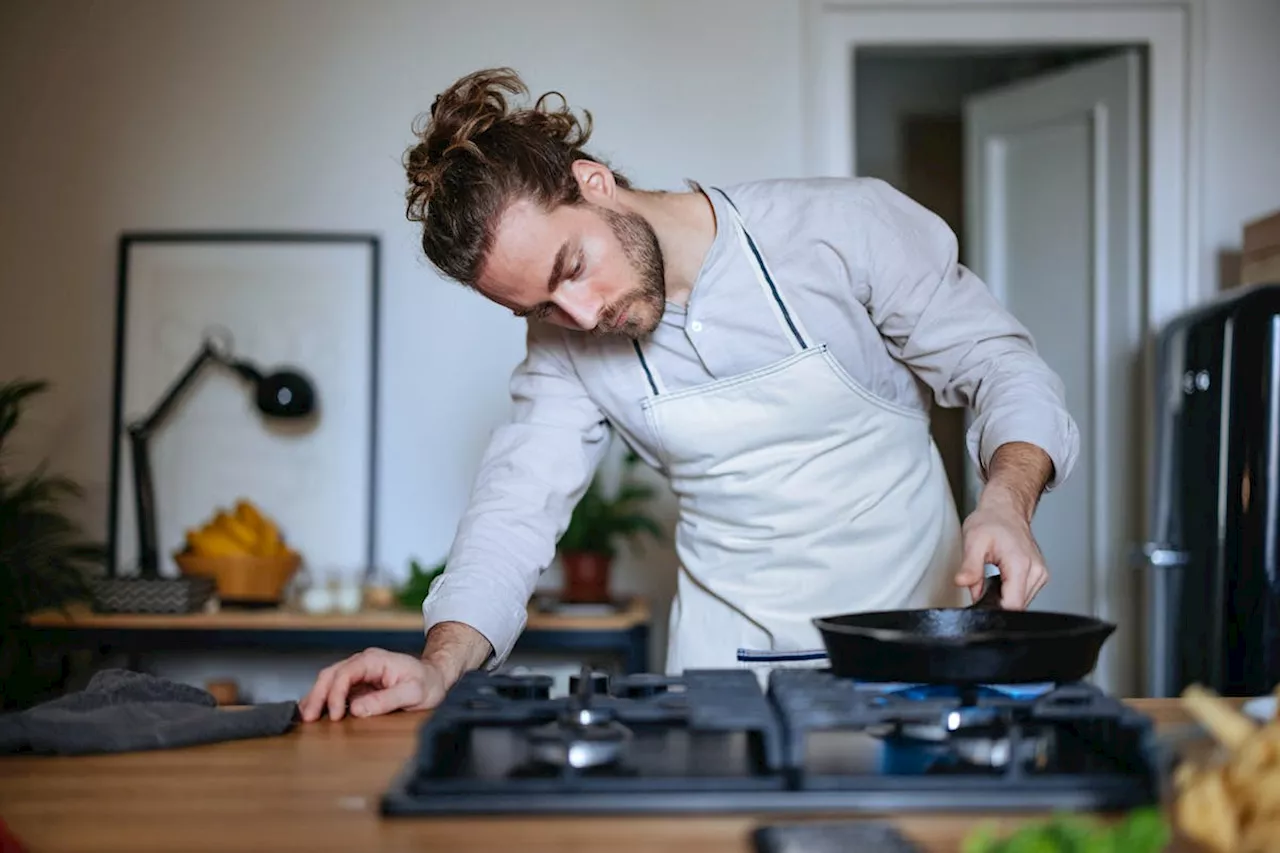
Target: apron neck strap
[787, 320]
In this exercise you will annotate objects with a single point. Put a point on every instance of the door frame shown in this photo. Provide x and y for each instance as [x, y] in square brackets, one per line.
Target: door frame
[1171, 31]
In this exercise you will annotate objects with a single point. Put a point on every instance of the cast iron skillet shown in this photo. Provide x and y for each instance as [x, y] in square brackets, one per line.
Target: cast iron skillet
[979, 644]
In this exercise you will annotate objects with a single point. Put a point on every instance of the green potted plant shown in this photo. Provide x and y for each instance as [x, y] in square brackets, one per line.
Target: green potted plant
[44, 557]
[414, 590]
[589, 544]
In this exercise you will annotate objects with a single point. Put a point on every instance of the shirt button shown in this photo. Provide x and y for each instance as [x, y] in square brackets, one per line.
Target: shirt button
[696, 326]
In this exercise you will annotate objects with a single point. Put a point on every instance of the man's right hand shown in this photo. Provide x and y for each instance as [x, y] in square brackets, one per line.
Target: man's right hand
[377, 681]
[374, 682]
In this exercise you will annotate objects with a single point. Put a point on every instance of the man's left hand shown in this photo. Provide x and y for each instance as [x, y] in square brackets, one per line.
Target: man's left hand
[999, 530]
[1000, 536]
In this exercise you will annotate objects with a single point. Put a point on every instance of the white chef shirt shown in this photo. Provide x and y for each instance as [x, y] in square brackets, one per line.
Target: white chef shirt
[871, 273]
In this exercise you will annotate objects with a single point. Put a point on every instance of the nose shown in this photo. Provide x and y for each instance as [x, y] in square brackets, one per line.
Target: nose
[582, 306]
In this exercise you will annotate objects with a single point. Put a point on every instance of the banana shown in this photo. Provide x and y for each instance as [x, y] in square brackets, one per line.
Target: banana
[236, 529]
[214, 543]
[250, 515]
[245, 530]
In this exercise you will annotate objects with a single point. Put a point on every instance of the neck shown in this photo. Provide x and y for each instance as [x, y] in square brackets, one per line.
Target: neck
[685, 225]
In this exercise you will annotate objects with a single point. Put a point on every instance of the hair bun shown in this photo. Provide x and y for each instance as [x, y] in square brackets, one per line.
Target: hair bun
[478, 150]
[469, 107]
[462, 115]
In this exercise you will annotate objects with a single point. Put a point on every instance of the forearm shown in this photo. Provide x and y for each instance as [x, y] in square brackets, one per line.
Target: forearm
[455, 648]
[1016, 478]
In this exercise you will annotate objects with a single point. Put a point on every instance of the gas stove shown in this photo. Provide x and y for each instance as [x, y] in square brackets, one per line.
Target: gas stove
[716, 741]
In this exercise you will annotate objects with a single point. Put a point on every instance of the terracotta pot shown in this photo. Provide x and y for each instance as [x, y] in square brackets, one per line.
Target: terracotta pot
[586, 576]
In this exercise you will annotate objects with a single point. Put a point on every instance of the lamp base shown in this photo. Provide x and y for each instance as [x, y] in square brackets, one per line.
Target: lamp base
[151, 595]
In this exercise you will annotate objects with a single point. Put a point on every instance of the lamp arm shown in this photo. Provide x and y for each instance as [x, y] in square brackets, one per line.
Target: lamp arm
[143, 486]
[161, 410]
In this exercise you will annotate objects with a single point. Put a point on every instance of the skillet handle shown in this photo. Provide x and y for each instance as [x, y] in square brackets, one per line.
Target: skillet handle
[990, 598]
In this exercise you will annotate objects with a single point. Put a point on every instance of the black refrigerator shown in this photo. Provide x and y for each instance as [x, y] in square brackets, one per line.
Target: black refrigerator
[1212, 586]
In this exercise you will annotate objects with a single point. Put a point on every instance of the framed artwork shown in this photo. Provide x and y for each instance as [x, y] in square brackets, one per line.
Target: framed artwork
[302, 302]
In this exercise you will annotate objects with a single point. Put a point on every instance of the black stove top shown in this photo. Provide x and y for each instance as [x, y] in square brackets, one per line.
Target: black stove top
[713, 740]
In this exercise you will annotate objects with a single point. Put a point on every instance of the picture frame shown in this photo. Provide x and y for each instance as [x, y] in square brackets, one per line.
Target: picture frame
[305, 301]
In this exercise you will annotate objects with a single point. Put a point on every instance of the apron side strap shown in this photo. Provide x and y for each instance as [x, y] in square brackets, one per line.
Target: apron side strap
[765, 656]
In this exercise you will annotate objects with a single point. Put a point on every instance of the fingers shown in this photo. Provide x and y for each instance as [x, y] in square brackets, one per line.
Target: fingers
[1022, 579]
[312, 704]
[973, 566]
[402, 695]
[1039, 578]
[347, 674]
[1013, 591]
[335, 683]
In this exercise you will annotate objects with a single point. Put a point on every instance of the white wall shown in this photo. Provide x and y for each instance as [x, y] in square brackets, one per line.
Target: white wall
[1241, 127]
[294, 114]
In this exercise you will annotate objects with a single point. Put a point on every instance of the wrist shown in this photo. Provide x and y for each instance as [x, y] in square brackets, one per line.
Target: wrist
[1017, 476]
[455, 648]
[998, 497]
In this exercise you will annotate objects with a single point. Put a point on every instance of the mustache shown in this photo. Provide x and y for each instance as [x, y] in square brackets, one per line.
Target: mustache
[611, 315]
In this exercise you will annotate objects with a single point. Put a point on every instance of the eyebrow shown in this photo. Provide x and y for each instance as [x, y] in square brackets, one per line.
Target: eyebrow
[557, 267]
[553, 280]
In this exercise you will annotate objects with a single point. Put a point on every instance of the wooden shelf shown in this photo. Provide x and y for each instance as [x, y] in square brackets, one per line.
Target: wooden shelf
[635, 613]
[624, 633]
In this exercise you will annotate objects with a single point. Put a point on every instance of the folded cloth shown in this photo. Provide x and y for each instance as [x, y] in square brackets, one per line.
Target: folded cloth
[124, 711]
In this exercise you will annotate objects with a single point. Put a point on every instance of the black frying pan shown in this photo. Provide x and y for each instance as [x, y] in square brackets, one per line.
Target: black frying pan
[979, 644]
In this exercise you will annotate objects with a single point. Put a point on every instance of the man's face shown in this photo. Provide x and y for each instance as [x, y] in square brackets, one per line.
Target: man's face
[584, 267]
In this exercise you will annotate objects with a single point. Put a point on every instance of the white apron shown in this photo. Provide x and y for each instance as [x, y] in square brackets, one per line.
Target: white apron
[801, 495]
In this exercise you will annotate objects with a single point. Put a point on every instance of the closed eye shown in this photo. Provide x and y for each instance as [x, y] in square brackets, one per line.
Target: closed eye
[541, 311]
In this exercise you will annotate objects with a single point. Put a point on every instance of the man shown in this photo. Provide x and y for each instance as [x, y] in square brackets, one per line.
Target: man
[770, 347]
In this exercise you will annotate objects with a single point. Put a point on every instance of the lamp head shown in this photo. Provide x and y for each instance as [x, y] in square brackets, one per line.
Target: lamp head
[285, 394]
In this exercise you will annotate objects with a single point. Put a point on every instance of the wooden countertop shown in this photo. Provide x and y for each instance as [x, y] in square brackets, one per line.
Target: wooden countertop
[635, 613]
[316, 789]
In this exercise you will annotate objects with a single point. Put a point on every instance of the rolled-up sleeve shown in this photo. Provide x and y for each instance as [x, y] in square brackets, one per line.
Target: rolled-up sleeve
[939, 318]
[534, 471]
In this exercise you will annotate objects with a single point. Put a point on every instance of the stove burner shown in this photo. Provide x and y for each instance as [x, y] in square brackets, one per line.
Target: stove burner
[581, 739]
[979, 735]
[585, 734]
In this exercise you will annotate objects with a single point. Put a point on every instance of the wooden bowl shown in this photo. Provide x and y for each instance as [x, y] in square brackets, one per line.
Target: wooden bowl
[247, 579]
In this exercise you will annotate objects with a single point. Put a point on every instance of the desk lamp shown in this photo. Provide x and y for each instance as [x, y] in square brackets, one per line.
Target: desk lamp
[281, 395]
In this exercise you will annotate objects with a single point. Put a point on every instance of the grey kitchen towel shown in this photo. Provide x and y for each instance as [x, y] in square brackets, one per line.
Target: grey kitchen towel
[124, 711]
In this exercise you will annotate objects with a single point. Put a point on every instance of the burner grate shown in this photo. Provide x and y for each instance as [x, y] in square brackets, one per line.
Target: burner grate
[713, 741]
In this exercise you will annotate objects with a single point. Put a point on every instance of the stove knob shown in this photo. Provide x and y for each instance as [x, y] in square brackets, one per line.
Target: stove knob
[599, 683]
[644, 685]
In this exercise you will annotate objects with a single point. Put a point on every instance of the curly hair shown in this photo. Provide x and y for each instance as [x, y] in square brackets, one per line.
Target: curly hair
[477, 153]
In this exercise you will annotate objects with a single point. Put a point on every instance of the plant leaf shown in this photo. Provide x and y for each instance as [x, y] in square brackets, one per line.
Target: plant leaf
[45, 559]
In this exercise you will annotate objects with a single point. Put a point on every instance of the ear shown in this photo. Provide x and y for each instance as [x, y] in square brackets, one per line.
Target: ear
[595, 182]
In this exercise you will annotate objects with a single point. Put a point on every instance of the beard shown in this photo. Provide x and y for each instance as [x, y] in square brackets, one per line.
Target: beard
[645, 304]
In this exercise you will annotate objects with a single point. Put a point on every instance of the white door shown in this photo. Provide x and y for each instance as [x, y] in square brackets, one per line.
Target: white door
[1053, 188]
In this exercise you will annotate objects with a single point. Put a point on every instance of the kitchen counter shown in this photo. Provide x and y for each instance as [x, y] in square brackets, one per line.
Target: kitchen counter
[316, 789]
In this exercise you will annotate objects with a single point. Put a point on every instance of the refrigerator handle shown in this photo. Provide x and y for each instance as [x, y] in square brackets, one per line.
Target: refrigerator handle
[1162, 607]
[1160, 555]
